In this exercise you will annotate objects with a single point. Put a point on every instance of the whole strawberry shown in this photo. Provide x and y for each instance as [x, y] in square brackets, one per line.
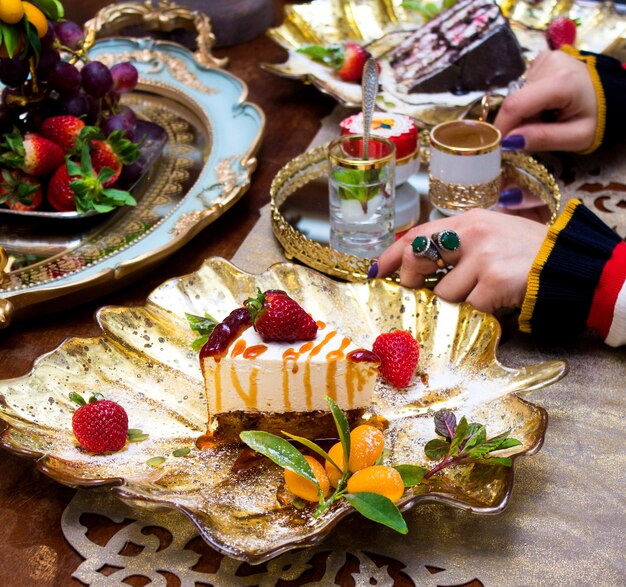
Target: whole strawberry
[79, 187]
[399, 353]
[561, 31]
[348, 61]
[19, 191]
[113, 152]
[354, 59]
[62, 130]
[100, 425]
[32, 153]
[277, 317]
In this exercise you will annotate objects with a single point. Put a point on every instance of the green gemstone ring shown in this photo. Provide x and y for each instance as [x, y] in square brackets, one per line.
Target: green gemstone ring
[447, 240]
[423, 247]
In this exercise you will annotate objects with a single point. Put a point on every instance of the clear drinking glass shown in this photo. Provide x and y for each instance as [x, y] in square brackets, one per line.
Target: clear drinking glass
[362, 195]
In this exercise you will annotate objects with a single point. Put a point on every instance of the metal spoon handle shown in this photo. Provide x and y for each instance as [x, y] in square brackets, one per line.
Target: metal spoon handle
[369, 85]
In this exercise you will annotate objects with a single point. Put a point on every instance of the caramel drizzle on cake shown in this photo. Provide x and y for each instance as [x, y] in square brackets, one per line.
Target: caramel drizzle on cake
[291, 357]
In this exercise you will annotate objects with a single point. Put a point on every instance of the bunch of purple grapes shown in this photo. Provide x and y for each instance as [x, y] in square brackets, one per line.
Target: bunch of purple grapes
[91, 92]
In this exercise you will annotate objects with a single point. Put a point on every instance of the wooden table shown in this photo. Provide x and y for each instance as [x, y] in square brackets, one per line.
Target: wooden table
[33, 550]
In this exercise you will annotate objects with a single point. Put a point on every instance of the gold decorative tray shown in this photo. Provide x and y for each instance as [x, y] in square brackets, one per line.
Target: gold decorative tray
[299, 198]
[143, 359]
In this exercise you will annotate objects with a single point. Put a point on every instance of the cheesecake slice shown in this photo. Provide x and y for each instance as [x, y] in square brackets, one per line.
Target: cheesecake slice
[280, 386]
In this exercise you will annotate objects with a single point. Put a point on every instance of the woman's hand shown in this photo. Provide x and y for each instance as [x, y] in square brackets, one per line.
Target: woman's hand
[490, 267]
[560, 87]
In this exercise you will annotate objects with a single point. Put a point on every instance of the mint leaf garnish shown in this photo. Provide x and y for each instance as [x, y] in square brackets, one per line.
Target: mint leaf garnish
[465, 443]
[203, 326]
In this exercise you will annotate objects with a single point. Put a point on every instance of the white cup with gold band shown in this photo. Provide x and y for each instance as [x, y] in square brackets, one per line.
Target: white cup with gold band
[465, 164]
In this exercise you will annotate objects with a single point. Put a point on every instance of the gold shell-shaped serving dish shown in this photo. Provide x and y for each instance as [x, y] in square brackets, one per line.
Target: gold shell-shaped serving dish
[299, 196]
[382, 24]
[143, 360]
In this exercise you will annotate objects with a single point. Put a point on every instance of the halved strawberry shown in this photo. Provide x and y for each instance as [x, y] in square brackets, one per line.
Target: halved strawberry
[276, 316]
[399, 353]
[32, 153]
[19, 191]
[62, 130]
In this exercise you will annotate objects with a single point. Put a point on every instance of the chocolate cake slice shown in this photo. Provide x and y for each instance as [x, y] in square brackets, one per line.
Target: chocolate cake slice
[468, 47]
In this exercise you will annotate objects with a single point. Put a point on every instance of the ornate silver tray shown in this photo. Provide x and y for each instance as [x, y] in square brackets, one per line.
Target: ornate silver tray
[143, 359]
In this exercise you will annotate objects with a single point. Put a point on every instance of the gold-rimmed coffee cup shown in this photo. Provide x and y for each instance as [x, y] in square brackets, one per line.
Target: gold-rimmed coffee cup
[465, 165]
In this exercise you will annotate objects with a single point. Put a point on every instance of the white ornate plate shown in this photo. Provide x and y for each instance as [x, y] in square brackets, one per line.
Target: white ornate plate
[204, 169]
[143, 360]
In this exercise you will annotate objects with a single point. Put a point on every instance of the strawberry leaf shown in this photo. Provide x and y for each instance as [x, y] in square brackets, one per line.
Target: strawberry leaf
[126, 151]
[120, 197]
[77, 398]
[378, 508]
[106, 173]
[255, 305]
[72, 168]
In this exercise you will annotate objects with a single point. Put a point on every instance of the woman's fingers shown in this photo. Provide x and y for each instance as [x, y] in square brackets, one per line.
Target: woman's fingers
[401, 255]
[574, 135]
[529, 102]
[458, 282]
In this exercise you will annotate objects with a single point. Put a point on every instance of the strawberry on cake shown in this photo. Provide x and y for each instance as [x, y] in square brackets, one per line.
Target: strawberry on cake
[269, 365]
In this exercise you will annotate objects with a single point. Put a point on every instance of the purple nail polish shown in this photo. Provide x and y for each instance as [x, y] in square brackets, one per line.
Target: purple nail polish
[510, 197]
[513, 143]
[373, 272]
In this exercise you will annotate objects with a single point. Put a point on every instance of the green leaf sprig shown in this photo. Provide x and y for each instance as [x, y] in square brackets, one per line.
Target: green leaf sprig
[465, 443]
[203, 326]
[358, 184]
[462, 443]
[332, 55]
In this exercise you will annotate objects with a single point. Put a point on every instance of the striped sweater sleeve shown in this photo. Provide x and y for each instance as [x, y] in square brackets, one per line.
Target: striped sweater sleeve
[609, 81]
[577, 280]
